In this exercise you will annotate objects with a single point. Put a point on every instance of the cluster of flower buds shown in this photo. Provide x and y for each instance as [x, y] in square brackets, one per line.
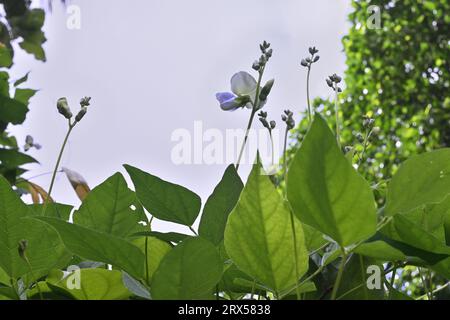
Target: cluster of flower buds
[29, 143]
[368, 122]
[307, 62]
[270, 125]
[63, 108]
[333, 81]
[266, 55]
[288, 117]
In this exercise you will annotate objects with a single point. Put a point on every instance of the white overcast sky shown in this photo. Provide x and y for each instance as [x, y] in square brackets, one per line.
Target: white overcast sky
[154, 66]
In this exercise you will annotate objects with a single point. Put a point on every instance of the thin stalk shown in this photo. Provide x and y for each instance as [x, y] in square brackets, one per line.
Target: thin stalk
[34, 278]
[434, 291]
[307, 94]
[363, 276]
[147, 277]
[294, 235]
[336, 111]
[252, 116]
[273, 148]
[58, 161]
[392, 282]
[339, 275]
[425, 284]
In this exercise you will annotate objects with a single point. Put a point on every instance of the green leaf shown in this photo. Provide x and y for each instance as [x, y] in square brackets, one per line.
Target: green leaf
[219, 205]
[427, 179]
[94, 284]
[156, 251]
[5, 56]
[24, 95]
[165, 200]
[44, 250]
[415, 236]
[19, 81]
[135, 286]
[98, 246]
[380, 250]
[111, 208]
[167, 237]
[190, 271]
[10, 158]
[54, 210]
[12, 110]
[326, 192]
[259, 237]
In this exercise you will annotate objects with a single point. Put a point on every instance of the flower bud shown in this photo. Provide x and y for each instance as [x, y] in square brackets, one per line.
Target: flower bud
[256, 66]
[63, 108]
[81, 114]
[22, 247]
[273, 124]
[85, 102]
[329, 83]
[304, 63]
[316, 58]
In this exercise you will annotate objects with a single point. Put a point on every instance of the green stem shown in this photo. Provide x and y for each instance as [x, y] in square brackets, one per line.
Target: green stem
[339, 276]
[58, 161]
[363, 277]
[252, 116]
[336, 111]
[434, 291]
[41, 296]
[392, 282]
[147, 278]
[292, 218]
[425, 284]
[307, 94]
[273, 148]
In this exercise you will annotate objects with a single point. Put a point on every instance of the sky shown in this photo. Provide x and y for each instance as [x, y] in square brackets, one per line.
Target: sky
[153, 67]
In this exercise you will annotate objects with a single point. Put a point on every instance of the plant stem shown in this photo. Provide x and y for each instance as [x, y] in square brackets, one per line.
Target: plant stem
[307, 94]
[336, 111]
[363, 276]
[425, 284]
[273, 148]
[434, 291]
[252, 116]
[292, 218]
[146, 262]
[34, 278]
[58, 161]
[339, 275]
[392, 282]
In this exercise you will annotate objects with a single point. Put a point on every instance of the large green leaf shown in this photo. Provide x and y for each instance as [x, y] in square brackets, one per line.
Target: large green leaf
[99, 246]
[111, 208]
[219, 205]
[420, 180]
[165, 200]
[94, 284]
[44, 251]
[326, 192]
[190, 271]
[259, 237]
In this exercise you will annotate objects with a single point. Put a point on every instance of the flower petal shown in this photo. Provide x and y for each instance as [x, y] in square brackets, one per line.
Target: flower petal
[227, 101]
[242, 83]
